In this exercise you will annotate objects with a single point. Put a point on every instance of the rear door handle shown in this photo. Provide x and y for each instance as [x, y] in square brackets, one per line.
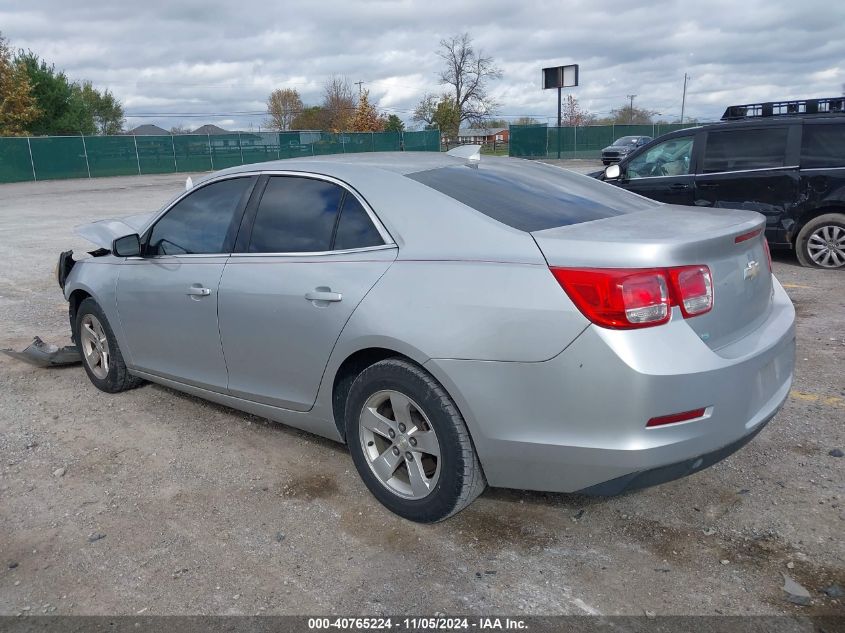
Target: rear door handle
[198, 291]
[678, 186]
[323, 295]
[707, 185]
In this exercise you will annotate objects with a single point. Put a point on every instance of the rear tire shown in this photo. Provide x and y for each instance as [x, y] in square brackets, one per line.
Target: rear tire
[399, 418]
[101, 356]
[821, 242]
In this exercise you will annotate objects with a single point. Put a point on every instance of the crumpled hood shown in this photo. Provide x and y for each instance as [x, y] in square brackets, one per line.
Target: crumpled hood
[104, 232]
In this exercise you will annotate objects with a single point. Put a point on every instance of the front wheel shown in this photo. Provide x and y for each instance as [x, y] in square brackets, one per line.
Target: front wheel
[410, 444]
[821, 242]
[101, 356]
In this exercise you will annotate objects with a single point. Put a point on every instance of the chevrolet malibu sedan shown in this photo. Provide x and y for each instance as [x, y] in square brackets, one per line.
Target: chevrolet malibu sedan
[457, 323]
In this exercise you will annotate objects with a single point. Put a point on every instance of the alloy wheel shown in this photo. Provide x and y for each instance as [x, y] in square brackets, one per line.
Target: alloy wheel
[400, 444]
[95, 345]
[826, 246]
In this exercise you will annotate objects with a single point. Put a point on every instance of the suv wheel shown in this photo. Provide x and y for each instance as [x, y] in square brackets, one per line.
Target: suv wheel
[409, 442]
[821, 242]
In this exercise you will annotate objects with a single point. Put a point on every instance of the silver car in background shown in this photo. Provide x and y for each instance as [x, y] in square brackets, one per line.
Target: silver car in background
[456, 322]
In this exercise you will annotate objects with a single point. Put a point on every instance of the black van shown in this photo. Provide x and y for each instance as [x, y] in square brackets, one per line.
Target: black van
[784, 159]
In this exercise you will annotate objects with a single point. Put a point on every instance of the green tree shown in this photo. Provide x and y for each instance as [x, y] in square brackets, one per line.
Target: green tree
[18, 107]
[62, 109]
[447, 117]
[104, 108]
[394, 124]
[311, 118]
[491, 123]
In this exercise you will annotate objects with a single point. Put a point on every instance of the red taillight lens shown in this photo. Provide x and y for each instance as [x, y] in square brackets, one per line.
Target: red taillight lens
[627, 298]
[618, 298]
[739, 239]
[768, 253]
[694, 289]
[676, 417]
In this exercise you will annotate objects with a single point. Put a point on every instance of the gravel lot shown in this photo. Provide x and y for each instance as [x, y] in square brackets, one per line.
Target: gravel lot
[155, 502]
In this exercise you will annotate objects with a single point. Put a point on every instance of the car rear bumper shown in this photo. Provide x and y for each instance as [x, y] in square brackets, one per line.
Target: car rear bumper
[578, 421]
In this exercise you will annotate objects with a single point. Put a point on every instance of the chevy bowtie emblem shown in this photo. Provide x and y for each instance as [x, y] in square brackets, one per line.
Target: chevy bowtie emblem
[751, 270]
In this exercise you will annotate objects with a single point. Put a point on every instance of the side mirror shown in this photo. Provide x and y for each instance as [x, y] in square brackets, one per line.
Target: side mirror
[127, 246]
[612, 172]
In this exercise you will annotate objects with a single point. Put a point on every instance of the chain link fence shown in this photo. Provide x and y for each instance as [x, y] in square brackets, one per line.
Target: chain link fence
[541, 141]
[49, 157]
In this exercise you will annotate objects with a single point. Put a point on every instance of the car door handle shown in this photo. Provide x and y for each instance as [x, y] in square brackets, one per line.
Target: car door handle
[678, 186]
[323, 295]
[198, 291]
[707, 185]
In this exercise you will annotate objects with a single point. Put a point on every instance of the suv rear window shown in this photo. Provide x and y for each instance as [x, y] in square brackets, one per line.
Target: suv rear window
[823, 145]
[530, 196]
[738, 149]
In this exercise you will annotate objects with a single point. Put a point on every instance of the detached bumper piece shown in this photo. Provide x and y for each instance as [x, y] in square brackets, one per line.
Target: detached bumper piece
[662, 474]
[43, 354]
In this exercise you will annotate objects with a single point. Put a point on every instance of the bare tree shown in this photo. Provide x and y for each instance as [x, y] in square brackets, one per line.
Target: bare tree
[339, 103]
[426, 109]
[283, 105]
[180, 129]
[572, 114]
[467, 73]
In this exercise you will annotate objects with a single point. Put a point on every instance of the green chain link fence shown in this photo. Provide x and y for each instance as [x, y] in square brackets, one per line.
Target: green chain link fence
[49, 157]
[541, 141]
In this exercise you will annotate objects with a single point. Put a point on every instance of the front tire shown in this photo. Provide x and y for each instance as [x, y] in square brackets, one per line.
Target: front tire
[821, 242]
[409, 442]
[101, 355]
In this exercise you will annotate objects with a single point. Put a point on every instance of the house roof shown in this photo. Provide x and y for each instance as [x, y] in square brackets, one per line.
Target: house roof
[481, 131]
[210, 128]
[148, 129]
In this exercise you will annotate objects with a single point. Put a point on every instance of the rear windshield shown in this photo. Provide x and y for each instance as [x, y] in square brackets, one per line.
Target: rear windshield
[531, 196]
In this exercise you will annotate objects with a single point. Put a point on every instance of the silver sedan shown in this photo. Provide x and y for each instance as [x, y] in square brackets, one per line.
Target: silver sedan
[456, 322]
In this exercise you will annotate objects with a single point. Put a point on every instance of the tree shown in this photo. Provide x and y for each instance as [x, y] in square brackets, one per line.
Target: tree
[628, 115]
[311, 118]
[571, 113]
[467, 73]
[424, 112]
[104, 108]
[339, 103]
[491, 123]
[394, 124]
[283, 105]
[62, 109]
[447, 118]
[526, 120]
[180, 129]
[366, 118]
[18, 106]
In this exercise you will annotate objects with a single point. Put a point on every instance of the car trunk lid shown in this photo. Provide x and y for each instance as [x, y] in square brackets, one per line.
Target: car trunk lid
[729, 242]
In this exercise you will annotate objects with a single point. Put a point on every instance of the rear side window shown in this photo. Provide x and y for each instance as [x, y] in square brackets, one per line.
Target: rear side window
[355, 229]
[531, 196]
[200, 222]
[737, 149]
[823, 146]
[295, 215]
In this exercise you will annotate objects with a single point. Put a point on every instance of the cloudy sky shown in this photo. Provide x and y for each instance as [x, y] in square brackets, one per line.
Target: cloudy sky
[167, 59]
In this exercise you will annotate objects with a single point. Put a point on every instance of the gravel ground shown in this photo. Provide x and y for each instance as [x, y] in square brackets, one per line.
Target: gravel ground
[155, 502]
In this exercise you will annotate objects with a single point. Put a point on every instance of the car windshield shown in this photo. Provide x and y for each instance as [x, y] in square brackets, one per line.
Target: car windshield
[530, 196]
[627, 140]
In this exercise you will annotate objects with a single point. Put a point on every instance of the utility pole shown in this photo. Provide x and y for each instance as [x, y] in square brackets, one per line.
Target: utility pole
[359, 84]
[631, 112]
[684, 99]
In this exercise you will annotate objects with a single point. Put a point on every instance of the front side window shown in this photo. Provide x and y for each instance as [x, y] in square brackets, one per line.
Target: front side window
[199, 223]
[669, 158]
[296, 215]
[823, 146]
[738, 149]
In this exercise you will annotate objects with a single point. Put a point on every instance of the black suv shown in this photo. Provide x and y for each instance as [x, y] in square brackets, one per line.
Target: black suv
[785, 160]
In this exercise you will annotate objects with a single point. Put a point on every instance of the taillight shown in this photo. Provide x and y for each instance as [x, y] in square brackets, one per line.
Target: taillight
[695, 289]
[768, 253]
[628, 298]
